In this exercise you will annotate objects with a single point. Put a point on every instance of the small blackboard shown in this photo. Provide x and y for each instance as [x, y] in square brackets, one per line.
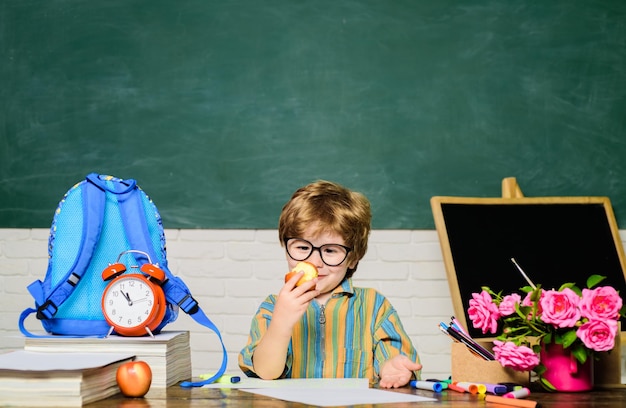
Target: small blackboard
[555, 240]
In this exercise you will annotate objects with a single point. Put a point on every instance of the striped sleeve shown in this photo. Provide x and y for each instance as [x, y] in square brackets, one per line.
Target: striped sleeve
[258, 327]
[390, 338]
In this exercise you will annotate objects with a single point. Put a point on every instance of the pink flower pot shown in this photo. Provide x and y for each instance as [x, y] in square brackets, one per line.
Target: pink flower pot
[563, 371]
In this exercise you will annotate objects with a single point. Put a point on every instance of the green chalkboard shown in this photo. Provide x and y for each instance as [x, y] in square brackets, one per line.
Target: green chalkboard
[221, 109]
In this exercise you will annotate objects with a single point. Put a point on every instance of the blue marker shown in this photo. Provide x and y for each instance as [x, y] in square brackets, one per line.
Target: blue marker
[444, 383]
[426, 385]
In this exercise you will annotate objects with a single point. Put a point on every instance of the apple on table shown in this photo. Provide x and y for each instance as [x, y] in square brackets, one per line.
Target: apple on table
[134, 378]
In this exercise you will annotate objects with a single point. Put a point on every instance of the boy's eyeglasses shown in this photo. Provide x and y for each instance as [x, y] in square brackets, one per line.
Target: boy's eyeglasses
[300, 249]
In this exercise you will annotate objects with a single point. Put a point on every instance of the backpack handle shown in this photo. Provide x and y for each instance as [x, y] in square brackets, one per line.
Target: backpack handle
[124, 186]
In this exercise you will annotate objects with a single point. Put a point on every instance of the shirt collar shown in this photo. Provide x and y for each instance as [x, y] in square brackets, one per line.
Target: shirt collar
[345, 288]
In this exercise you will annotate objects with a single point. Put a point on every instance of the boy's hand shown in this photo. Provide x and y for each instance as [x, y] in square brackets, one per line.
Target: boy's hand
[397, 371]
[292, 302]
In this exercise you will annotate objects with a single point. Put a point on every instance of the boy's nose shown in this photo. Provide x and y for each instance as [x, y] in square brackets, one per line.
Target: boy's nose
[316, 258]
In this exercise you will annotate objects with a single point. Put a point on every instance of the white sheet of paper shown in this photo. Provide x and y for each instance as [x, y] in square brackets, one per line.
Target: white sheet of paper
[333, 397]
[314, 383]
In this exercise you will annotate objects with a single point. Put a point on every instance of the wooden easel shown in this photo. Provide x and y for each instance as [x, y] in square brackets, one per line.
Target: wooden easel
[510, 188]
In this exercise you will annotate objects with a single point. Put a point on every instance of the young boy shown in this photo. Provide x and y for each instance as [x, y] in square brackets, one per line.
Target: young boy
[326, 328]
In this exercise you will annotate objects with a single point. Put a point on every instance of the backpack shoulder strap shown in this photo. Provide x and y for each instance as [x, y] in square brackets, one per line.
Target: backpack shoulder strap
[93, 199]
[176, 292]
[201, 318]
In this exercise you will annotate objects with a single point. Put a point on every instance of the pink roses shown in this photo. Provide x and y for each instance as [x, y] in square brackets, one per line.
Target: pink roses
[560, 308]
[507, 306]
[600, 303]
[598, 335]
[585, 321]
[483, 312]
[520, 358]
[602, 307]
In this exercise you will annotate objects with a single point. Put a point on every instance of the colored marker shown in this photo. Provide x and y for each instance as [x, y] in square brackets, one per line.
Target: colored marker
[514, 402]
[473, 388]
[426, 385]
[510, 386]
[444, 383]
[496, 389]
[454, 387]
[521, 393]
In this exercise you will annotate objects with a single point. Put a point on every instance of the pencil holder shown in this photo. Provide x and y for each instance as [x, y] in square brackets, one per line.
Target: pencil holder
[467, 367]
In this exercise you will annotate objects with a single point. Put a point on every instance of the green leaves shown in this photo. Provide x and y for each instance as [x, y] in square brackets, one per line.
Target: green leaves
[547, 338]
[581, 353]
[567, 338]
[569, 285]
[547, 385]
[593, 280]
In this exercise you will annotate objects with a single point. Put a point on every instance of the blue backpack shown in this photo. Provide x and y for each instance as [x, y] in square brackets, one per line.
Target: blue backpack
[98, 220]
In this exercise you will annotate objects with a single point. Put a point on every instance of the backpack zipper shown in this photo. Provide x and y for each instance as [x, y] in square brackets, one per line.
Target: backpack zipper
[322, 322]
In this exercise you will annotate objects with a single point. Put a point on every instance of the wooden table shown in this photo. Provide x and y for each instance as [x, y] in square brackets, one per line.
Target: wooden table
[178, 397]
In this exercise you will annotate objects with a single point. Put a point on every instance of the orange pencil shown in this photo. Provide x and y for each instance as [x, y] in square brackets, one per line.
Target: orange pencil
[514, 402]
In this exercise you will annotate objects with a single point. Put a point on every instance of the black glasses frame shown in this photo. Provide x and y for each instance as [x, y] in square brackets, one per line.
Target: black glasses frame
[318, 249]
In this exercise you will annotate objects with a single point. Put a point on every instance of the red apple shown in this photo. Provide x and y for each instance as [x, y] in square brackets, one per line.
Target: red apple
[310, 272]
[134, 378]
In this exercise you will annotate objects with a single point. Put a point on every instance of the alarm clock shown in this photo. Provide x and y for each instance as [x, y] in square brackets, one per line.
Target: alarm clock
[133, 303]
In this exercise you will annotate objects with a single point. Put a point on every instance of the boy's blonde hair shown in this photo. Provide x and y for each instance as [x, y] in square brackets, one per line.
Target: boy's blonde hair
[332, 208]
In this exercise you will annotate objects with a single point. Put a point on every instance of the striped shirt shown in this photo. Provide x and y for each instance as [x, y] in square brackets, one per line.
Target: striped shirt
[350, 337]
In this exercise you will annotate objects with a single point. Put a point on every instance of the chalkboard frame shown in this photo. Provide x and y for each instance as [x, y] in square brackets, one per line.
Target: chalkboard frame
[459, 291]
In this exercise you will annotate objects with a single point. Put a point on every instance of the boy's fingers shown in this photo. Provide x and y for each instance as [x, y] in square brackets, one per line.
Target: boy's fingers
[414, 366]
[294, 279]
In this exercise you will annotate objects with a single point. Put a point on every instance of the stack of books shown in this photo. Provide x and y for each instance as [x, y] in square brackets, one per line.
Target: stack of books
[31, 379]
[168, 353]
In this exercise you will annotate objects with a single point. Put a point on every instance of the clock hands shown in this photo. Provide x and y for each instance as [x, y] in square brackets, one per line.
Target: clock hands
[127, 297]
[131, 302]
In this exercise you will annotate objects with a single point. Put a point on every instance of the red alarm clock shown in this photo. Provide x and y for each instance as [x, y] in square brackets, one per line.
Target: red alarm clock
[133, 303]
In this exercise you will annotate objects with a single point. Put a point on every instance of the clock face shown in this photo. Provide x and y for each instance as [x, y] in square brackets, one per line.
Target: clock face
[130, 301]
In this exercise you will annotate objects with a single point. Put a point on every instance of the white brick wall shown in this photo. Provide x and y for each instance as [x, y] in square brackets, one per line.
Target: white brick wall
[231, 271]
